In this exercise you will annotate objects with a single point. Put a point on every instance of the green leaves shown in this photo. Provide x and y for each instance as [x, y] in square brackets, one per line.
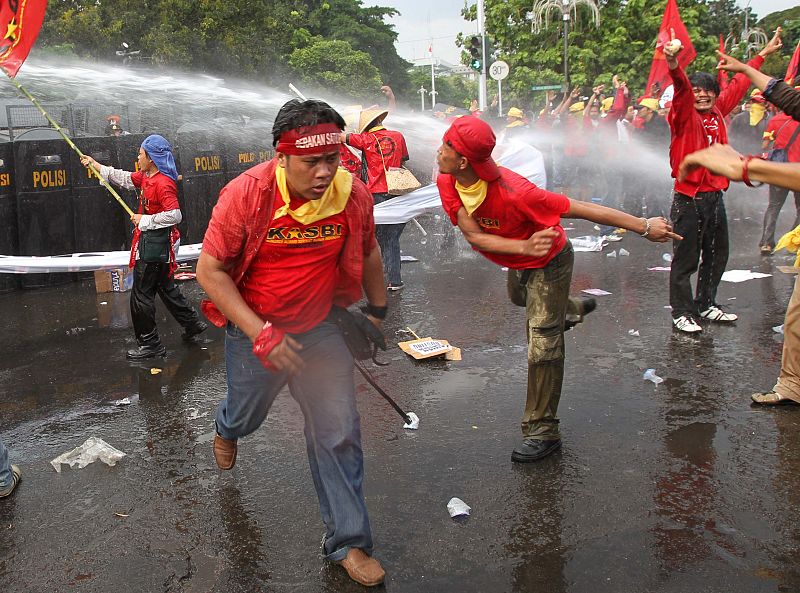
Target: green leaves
[239, 37]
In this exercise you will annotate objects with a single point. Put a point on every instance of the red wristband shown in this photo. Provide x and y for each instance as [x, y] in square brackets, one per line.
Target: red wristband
[745, 176]
[269, 337]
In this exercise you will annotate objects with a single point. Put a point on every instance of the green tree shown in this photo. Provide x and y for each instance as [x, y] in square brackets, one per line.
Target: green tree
[336, 66]
[229, 37]
[452, 89]
[622, 44]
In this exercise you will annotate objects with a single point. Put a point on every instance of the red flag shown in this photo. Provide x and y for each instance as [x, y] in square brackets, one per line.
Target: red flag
[20, 21]
[794, 67]
[659, 71]
[722, 75]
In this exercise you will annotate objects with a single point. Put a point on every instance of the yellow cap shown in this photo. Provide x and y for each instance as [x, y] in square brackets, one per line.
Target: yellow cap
[579, 106]
[515, 112]
[651, 104]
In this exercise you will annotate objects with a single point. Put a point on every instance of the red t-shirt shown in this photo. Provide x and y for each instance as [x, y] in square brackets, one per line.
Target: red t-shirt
[159, 192]
[783, 127]
[514, 208]
[292, 279]
[382, 149]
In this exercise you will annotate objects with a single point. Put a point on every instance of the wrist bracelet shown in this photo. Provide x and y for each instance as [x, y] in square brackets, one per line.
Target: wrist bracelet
[646, 228]
[375, 311]
[745, 176]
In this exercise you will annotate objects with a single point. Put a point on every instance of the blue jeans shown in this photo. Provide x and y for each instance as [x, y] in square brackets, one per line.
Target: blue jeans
[388, 236]
[326, 393]
[5, 468]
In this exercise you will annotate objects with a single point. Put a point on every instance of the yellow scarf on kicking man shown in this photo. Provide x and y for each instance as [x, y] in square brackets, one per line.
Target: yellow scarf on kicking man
[473, 196]
[332, 201]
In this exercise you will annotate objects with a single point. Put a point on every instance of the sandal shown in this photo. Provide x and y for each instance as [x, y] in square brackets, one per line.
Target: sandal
[765, 249]
[770, 398]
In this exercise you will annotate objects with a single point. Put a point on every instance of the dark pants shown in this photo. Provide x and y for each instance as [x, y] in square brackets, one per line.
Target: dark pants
[546, 296]
[777, 196]
[149, 280]
[388, 236]
[703, 224]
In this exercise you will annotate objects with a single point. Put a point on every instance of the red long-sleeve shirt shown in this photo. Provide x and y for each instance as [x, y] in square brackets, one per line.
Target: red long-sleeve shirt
[693, 131]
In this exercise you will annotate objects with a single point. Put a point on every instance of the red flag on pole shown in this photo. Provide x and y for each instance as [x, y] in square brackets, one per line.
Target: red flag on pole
[659, 71]
[794, 67]
[20, 21]
[722, 75]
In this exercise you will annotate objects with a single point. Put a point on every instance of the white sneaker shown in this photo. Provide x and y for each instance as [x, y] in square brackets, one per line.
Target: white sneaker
[686, 324]
[714, 313]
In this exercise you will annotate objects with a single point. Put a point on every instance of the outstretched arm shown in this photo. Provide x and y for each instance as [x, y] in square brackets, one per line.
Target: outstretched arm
[655, 229]
[723, 160]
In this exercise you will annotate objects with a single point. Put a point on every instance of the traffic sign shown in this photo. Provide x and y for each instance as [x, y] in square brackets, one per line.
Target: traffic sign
[546, 87]
[498, 70]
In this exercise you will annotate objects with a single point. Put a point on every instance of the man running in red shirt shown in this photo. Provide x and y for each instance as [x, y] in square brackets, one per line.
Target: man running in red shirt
[288, 240]
[697, 120]
[518, 225]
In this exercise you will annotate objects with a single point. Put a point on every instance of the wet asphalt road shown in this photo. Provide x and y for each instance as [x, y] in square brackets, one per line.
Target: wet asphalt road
[681, 487]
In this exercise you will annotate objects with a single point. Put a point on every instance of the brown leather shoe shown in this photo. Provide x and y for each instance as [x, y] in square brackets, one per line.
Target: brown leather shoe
[224, 452]
[363, 569]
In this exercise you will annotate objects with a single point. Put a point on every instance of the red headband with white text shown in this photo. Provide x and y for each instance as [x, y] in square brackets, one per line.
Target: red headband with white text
[317, 139]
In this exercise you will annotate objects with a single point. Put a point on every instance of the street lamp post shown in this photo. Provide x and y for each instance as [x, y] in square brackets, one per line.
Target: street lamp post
[422, 92]
[541, 17]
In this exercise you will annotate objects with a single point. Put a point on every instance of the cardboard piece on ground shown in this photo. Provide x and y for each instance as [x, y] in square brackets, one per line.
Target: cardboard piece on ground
[788, 269]
[116, 280]
[428, 348]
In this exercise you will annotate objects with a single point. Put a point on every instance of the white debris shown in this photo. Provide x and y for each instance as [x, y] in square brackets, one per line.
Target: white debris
[457, 507]
[90, 451]
[414, 425]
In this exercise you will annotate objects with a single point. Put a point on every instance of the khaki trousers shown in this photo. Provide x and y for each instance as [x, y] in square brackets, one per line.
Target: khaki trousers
[788, 384]
[546, 294]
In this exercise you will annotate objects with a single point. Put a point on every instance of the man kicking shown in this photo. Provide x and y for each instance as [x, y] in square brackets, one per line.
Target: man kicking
[516, 224]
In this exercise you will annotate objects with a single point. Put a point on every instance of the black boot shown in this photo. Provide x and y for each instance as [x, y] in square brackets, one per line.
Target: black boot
[194, 330]
[146, 351]
[577, 309]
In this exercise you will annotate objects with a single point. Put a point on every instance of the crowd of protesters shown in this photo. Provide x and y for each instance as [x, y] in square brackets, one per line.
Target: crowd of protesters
[614, 148]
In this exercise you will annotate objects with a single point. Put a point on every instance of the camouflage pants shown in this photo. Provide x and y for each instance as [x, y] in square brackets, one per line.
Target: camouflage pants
[545, 293]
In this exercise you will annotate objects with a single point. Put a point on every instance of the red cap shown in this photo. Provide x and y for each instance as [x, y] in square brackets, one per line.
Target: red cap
[474, 139]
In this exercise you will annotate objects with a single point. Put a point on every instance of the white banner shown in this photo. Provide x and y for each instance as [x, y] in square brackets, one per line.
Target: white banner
[517, 156]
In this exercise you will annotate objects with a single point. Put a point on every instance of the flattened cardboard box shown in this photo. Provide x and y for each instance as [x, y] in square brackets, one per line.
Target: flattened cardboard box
[116, 280]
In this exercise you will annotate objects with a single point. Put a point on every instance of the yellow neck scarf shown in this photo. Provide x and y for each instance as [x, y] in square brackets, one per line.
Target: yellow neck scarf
[473, 196]
[332, 201]
[376, 128]
[516, 124]
[757, 112]
[791, 242]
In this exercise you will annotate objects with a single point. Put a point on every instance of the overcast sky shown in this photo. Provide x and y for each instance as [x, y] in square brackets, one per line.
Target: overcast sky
[440, 20]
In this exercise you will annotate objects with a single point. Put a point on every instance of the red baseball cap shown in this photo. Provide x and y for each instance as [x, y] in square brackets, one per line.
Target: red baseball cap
[474, 139]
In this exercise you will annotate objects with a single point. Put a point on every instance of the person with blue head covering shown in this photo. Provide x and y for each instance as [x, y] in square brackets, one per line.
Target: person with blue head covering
[155, 238]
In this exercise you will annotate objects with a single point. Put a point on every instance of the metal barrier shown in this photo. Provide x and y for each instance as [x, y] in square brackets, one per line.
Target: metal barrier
[9, 228]
[202, 164]
[44, 202]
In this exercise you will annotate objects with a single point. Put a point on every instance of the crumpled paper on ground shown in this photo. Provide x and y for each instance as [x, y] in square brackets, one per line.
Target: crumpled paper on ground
[742, 275]
[588, 243]
[90, 451]
[414, 425]
[457, 507]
